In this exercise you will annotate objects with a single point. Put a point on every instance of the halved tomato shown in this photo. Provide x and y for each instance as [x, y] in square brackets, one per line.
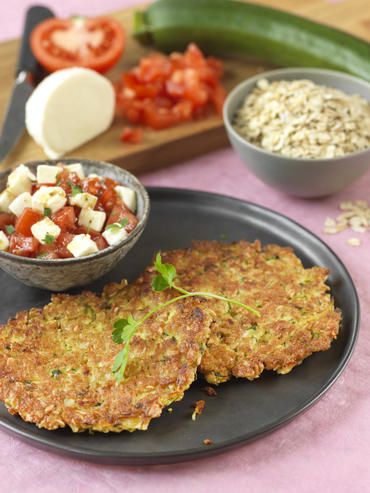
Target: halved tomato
[95, 43]
[27, 219]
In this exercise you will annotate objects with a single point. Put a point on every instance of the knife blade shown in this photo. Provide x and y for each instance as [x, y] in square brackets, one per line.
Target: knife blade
[27, 68]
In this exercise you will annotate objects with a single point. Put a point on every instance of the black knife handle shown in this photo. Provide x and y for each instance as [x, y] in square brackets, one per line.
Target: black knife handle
[26, 61]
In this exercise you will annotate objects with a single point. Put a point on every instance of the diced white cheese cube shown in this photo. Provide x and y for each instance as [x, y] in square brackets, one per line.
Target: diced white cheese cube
[45, 231]
[128, 196]
[82, 245]
[76, 168]
[93, 175]
[20, 180]
[53, 198]
[114, 234]
[84, 200]
[4, 242]
[47, 174]
[92, 219]
[20, 203]
[6, 198]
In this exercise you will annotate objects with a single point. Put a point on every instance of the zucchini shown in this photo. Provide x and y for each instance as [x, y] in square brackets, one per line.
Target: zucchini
[228, 27]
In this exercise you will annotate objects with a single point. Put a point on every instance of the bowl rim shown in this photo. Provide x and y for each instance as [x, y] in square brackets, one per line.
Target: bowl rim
[101, 253]
[291, 70]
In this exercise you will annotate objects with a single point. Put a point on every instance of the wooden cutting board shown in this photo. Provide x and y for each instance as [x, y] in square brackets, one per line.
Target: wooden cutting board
[160, 148]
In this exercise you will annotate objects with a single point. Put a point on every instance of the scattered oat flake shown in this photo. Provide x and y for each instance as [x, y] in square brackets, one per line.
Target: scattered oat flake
[354, 241]
[208, 441]
[355, 216]
[198, 409]
[210, 391]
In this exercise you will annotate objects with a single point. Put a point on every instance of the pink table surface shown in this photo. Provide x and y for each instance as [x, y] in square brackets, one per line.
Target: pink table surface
[325, 450]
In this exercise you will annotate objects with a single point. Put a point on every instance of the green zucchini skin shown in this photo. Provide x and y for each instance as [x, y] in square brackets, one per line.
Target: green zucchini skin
[229, 27]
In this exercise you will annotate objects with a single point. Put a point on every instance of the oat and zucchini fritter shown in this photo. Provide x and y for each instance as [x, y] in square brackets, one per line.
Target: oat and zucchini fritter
[297, 318]
[56, 363]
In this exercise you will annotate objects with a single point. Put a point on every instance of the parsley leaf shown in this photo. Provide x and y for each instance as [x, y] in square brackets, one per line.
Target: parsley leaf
[119, 225]
[159, 283]
[47, 211]
[75, 190]
[166, 274]
[124, 329]
[49, 239]
[9, 228]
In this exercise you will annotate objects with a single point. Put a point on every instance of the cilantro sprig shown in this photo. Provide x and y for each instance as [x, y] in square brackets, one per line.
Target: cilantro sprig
[125, 329]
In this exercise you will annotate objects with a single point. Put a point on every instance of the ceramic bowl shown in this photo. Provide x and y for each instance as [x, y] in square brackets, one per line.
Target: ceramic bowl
[298, 176]
[62, 274]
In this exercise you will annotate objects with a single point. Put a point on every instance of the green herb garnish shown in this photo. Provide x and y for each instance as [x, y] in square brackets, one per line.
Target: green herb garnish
[49, 239]
[9, 229]
[124, 329]
[119, 225]
[55, 373]
[75, 190]
[47, 211]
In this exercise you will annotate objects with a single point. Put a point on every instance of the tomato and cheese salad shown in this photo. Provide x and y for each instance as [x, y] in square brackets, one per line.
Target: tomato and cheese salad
[60, 213]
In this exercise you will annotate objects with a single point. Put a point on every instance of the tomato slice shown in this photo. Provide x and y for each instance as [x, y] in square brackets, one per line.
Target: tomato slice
[26, 220]
[120, 212]
[24, 246]
[6, 220]
[95, 43]
[65, 218]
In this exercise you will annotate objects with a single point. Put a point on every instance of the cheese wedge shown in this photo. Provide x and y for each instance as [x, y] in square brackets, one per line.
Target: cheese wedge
[69, 108]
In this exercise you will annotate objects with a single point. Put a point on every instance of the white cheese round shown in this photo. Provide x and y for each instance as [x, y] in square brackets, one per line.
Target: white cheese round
[68, 108]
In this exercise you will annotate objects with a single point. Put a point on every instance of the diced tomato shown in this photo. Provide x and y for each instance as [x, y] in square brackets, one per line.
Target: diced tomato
[65, 218]
[163, 91]
[61, 245]
[24, 246]
[99, 240]
[6, 220]
[107, 199]
[66, 180]
[48, 252]
[120, 212]
[26, 220]
[108, 182]
[132, 135]
[93, 186]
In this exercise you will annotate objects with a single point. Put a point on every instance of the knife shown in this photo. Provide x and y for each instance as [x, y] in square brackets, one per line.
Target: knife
[27, 69]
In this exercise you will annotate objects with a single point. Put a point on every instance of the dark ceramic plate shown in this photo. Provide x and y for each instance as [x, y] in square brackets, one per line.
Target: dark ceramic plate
[243, 410]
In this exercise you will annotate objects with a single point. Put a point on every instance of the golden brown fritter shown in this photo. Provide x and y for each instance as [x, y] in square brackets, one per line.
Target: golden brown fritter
[56, 363]
[297, 318]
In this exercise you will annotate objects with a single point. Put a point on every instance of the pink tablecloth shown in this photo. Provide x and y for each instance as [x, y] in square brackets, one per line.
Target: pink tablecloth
[325, 450]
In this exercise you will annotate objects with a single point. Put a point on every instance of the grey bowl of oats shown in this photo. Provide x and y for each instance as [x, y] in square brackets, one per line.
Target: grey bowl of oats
[304, 131]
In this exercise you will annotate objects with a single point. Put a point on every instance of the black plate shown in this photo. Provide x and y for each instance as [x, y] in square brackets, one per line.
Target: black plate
[242, 410]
